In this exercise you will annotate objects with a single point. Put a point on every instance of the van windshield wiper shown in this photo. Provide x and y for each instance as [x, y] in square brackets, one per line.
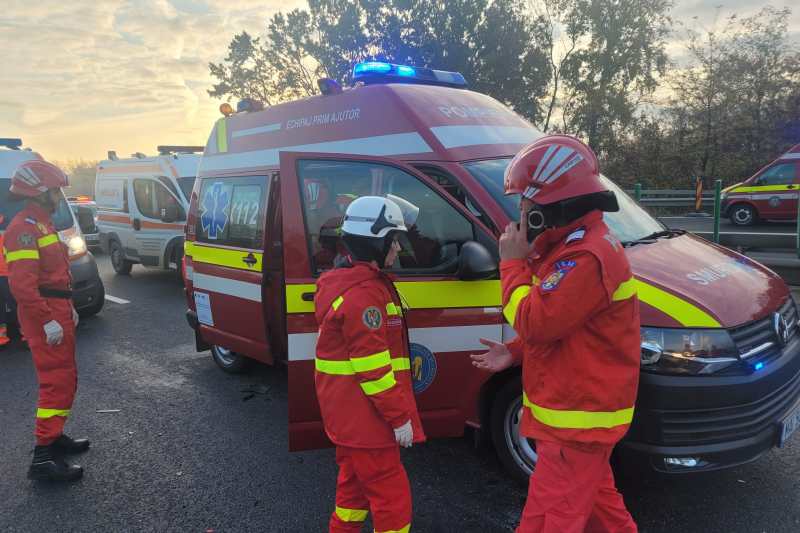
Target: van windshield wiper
[666, 234]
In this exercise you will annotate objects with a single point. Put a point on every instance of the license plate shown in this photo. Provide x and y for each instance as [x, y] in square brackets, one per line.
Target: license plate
[789, 426]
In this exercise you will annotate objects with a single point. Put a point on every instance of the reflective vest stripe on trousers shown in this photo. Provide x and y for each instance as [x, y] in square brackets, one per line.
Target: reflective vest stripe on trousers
[351, 515]
[50, 413]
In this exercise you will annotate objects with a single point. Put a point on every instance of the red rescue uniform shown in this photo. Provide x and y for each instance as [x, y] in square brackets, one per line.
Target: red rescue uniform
[363, 385]
[573, 305]
[38, 273]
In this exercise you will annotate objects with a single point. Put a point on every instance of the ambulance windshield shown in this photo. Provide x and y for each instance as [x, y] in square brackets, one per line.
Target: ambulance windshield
[62, 218]
[630, 223]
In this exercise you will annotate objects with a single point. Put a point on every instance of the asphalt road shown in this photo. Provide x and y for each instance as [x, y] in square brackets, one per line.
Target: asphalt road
[193, 449]
[706, 224]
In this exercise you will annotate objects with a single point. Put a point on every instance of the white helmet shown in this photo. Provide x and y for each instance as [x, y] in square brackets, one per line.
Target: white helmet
[373, 216]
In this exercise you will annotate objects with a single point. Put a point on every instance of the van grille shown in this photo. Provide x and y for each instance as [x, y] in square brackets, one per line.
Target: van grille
[708, 426]
[760, 332]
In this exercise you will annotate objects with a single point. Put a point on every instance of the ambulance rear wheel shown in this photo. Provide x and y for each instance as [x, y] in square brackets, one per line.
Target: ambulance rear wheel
[743, 215]
[118, 261]
[517, 453]
[229, 361]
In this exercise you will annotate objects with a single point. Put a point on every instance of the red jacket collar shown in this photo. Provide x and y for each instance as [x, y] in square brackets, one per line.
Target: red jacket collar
[552, 237]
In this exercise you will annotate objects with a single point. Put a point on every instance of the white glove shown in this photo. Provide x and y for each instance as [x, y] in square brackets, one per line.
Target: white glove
[54, 332]
[404, 435]
[75, 317]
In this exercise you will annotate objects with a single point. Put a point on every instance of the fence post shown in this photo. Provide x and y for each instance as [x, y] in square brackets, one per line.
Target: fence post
[717, 203]
[637, 192]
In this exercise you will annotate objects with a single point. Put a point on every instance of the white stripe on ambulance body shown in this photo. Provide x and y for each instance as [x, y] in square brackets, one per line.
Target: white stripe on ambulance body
[791, 155]
[229, 287]
[255, 131]
[303, 346]
[382, 145]
[460, 136]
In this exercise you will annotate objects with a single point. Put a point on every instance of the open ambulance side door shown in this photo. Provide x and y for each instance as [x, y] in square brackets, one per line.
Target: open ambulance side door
[446, 316]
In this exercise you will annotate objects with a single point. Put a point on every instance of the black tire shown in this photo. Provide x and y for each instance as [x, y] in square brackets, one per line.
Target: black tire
[518, 455]
[743, 215]
[121, 265]
[230, 362]
[96, 306]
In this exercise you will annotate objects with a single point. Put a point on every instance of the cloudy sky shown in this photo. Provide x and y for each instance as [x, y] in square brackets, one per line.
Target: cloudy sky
[82, 77]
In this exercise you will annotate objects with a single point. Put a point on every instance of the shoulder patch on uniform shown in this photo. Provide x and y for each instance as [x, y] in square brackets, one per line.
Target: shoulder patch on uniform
[575, 236]
[25, 239]
[565, 265]
[30, 220]
[372, 317]
[552, 280]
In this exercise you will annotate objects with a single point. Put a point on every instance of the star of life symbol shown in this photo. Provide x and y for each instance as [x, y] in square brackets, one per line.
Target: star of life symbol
[215, 202]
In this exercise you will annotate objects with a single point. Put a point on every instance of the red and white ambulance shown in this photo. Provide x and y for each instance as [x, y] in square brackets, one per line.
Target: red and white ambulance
[720, 355]
[770, 194]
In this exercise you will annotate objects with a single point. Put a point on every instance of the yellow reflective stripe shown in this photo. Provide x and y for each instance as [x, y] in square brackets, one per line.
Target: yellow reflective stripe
[401, 363]
[448, 294]
[393, 310]
[371, 362]
[337, 302]
[626, 290]
[351, 515]
[763, 188]
[682, 311]
[335, 368]
[346, 368]
[188, 246]
[222, 135]
[379, 385]
[418, 295]
[225, 257]
[578, 419]
[404, 529]
[47, 240]
[21, 254]
[50, 413]
[510, 310]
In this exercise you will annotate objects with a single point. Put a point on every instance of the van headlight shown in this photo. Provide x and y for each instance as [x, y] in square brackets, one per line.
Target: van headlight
[76, 245]
[687, 351]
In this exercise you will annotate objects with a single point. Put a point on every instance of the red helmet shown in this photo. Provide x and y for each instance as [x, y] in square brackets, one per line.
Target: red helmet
[552, 169]
[35, 177]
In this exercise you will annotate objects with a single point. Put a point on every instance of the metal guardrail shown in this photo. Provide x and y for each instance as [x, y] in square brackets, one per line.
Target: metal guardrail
[688, 198]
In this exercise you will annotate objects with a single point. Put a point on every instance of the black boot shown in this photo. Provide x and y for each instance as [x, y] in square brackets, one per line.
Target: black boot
[50, 466]
[67, 445]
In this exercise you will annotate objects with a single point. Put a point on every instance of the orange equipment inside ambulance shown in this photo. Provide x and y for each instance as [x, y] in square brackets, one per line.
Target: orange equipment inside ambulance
[720, 379]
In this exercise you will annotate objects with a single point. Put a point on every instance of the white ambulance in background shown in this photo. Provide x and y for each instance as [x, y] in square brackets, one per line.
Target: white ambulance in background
[142, 203]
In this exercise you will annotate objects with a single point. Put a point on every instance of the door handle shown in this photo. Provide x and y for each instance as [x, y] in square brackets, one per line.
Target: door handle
[307, 296]
[137, 224]
[250, 259]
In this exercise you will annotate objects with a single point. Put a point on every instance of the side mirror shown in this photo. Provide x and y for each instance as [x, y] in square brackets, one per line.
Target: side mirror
[476, 263]
[169, 214]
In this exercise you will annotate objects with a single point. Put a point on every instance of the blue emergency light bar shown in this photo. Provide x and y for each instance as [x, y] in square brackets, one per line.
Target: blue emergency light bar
[14, 144]
[373, 72]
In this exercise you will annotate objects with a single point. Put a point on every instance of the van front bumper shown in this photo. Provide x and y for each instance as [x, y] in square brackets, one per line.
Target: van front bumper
[700, 423]
[87, 287]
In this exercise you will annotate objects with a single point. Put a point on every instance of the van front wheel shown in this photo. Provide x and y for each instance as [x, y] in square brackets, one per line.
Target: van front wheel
[517, 453]
[743, 215]
[121, 265]
[229, 361]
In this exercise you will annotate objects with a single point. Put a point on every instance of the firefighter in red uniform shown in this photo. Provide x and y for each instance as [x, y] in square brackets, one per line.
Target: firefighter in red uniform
[571, 298]
[363, 378]
[38, 272]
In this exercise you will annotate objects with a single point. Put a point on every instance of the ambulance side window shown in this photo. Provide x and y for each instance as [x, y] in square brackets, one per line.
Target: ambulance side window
[782, 174]
[152, 199]
[231, 211]
[433, 242]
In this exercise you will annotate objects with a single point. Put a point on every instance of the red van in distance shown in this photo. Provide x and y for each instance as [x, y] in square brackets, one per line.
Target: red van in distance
[720, 380]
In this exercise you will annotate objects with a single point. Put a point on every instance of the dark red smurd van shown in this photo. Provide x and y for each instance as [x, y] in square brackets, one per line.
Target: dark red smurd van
[720, 382]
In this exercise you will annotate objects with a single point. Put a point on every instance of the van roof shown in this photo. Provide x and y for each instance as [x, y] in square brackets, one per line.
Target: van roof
[404, 121]
[175, 165]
